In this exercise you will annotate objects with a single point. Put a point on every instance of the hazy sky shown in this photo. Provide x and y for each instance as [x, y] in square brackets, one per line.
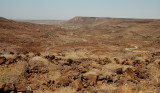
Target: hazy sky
[66, 9]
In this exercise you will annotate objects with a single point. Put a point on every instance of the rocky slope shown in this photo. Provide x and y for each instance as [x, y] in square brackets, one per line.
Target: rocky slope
[29, 72]
[115, 56]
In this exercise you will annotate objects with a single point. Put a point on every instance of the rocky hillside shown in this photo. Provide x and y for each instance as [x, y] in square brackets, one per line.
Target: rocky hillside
[11, 24]
[37, 73]
[20, 36]
[111, 56]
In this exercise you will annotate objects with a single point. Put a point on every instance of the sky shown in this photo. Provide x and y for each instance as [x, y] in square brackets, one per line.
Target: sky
[67, 9]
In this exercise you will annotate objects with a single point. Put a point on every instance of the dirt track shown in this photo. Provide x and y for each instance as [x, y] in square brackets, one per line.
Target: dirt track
[134, 49]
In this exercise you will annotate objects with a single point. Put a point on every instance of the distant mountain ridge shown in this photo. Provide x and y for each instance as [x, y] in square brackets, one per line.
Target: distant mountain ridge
[13, 24]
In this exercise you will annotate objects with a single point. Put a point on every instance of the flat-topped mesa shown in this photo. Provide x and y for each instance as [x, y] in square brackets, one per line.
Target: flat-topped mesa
[85, 21]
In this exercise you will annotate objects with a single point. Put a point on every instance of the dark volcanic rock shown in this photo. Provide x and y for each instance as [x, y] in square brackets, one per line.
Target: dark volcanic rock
[119, 71]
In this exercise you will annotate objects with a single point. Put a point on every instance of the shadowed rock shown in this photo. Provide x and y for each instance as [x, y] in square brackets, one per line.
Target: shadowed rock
[2, 60]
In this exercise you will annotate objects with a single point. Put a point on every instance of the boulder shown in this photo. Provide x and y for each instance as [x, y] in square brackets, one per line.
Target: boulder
[100, 77]
[109, 78]
[21, 88]
[69, 62]
[141, 73]
[9, 87]
[104, 61]
[119, 71]
[54, 75]
[62, 81]
[99, 83]
[50, 57]
[125, 62]
[29, 89]
[156, 54]
[90, 77]
[136, 62]
[117, 61]
[2, 85]
[10, 61]
[20, 84]
[2, 60]
[77, 84]
[11, 53]
[129, 71]
[39, 81]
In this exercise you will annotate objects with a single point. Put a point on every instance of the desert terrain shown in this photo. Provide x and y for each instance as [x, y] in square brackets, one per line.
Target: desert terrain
[80, 55]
